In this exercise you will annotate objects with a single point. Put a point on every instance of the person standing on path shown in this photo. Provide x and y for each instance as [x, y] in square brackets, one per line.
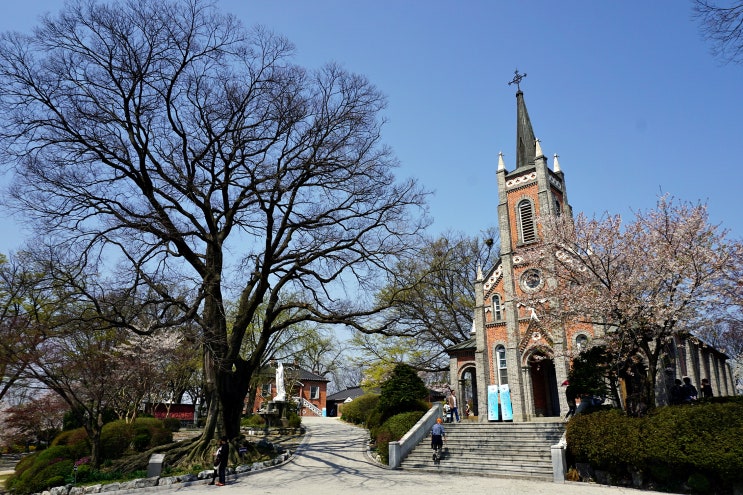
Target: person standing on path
[453, 405]
[220, 461]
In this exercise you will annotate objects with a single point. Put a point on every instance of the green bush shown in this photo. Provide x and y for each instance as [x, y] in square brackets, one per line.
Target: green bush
[144, 433]
[294, 420]
[253, 421]
[401, 392]
[172, 424]
[357, 411]
[76, 440]
[698, 444]
[393, 429]
[40, 471]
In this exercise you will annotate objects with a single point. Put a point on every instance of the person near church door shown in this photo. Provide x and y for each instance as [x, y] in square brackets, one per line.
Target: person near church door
[570, 395]
[453, 406]
[706, 388]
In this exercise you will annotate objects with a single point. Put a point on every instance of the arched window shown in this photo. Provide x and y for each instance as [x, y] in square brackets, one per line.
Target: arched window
[500, 357]
[526, 221]
[497, 310]
[558, 207]
[581, 342]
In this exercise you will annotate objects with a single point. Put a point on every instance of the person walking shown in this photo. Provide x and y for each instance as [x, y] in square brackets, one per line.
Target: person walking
[453, 405]
[570, 395]
[438, 435]
[220, 461]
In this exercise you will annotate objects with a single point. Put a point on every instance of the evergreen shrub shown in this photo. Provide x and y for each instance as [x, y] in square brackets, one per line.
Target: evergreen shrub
[394, 429]
[254, 420]
[697, 445]
[172, 424]
[76, 440]
[357, 411]
[401, 392]
[143, 433]
[40, 471]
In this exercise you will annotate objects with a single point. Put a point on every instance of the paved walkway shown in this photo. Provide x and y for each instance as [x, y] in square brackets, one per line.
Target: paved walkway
[332, 460]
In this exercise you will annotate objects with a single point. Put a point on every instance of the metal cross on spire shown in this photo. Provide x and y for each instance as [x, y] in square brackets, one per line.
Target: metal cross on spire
[517, 79]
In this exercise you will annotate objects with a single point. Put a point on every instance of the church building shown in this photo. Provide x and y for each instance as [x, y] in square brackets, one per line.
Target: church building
[512, 368]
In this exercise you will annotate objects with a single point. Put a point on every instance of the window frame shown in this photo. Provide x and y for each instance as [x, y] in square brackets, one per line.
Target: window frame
[497, 307]
[266, 389]
[526, 221]
[501, 364]
[314, 392]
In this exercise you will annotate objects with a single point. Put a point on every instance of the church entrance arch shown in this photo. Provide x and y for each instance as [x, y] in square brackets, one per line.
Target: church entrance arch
[468, 390]
[543, 384]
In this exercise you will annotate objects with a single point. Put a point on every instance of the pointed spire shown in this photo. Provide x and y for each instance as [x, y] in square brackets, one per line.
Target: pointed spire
[556, 164]
[525, 140]
[479, 272]
[501, 163]
[538, 153]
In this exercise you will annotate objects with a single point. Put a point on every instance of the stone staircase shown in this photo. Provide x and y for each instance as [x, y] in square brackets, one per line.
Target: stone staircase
[514, 450]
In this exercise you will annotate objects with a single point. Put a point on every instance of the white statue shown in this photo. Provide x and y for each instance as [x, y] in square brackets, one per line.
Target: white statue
[280, 391]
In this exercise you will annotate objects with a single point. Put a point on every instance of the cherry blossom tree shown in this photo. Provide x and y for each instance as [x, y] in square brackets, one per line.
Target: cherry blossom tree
[644, 282]
[37, 420]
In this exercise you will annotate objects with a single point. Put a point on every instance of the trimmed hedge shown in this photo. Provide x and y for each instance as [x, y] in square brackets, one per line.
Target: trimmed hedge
[41, 471]
[393, 429]
[76, 440]
[144, 433]
[698, 445]
[358, 410]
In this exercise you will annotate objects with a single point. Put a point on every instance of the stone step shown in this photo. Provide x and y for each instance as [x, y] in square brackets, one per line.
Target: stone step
[515, 450]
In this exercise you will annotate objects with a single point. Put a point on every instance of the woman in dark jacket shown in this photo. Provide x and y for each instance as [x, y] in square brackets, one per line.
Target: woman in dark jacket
[220, 461]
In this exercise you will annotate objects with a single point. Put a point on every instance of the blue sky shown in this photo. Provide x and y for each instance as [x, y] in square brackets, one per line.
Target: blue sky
[626, 92]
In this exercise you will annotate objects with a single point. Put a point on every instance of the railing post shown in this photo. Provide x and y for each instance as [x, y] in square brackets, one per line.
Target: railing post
[559, 460]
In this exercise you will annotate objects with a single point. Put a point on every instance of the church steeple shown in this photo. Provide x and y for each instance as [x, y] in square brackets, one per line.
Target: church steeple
[525, 141]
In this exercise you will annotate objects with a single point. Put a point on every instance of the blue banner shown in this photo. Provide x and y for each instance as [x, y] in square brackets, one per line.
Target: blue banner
[505, 400]
[492, 402]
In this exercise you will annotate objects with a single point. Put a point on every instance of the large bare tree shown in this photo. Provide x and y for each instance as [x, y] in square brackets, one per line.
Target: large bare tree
[721, 23]
[432, 301]
[166, 142]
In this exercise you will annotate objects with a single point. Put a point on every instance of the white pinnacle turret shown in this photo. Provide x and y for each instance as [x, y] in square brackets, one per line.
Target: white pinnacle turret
[556, 165]
[539, 153]
[501, 163]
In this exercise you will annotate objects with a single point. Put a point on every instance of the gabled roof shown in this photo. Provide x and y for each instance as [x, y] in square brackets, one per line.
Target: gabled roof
[298, 373]
[467, 345]
[349, 393]
[309, 376]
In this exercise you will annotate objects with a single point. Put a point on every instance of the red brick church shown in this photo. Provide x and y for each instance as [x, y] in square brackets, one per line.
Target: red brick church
[512, 368]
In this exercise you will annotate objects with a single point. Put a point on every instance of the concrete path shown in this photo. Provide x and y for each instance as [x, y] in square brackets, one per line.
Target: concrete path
[332, 460]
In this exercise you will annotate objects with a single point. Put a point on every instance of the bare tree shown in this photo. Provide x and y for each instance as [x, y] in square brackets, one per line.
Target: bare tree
[432, 300]
[166, 143]
[721, 23]
[646, 281]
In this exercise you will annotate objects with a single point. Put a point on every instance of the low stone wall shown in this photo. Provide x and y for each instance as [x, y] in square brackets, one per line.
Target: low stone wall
[401, 448]
[167, 481]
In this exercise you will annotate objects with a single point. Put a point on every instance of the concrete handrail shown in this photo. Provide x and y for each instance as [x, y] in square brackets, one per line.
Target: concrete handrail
[398, 450]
